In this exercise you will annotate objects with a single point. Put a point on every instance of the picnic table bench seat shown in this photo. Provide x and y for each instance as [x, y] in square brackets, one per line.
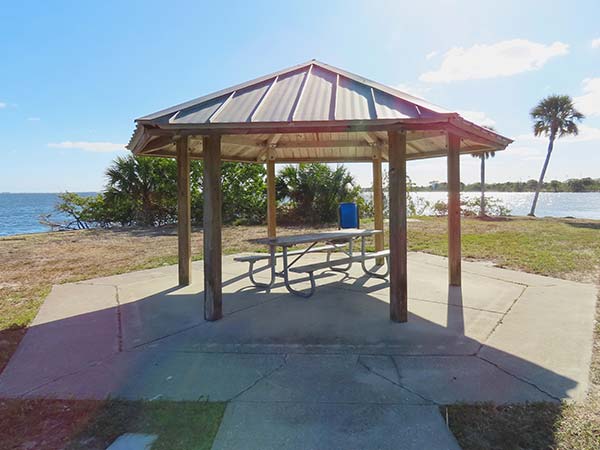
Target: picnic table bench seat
[330, 264]
[309, 268]
[260, 257]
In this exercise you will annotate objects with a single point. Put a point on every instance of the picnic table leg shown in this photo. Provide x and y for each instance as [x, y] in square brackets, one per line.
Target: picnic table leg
[370, 272]
[342, 269]
[286, 279]
[272, 262]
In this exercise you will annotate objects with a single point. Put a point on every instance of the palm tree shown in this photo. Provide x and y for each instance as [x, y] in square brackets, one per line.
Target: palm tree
[315, 190]
[554, 116]
[483, 156]
[144, 183]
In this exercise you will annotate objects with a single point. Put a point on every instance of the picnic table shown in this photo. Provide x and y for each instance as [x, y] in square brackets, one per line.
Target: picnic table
[340, 240]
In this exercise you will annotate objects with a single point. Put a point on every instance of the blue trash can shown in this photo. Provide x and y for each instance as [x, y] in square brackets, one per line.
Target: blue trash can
[348, 213]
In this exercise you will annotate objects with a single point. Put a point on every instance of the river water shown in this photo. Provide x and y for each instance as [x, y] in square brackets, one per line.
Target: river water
[582, 205]
[20, 213]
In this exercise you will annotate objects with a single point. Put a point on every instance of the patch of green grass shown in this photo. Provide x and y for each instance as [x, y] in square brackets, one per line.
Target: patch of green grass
[564, 248]
[16, 313]
[179, 425]
[94, 425]
[28, 304]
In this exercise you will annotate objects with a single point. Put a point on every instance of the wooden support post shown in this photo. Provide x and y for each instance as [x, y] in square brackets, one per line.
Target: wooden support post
[271, 200]
[398, 249]
[212, 228]
[454, 250]
[184, 213]
[378, 200]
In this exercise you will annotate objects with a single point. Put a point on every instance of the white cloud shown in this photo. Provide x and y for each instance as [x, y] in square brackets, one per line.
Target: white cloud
[589, 102]
[431, 54]
[526, 153]
[33, 119]
[416, 91]
[501, 59]
[3, 105]
[596, 43]
[478, 117]
[101, 147]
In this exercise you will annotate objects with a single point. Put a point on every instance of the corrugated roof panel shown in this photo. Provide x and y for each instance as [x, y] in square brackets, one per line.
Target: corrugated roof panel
[277, 106]
[242, 104]
[199, 113]
[389, 107]
[316, 102]
[354, 101]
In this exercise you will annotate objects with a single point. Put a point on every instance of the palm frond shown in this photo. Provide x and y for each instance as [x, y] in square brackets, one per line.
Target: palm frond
[555, 115]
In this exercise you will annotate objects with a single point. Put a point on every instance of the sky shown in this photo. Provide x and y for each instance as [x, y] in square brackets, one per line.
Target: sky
[75, 75]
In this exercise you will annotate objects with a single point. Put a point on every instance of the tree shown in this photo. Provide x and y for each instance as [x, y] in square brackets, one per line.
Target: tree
[555, 116]
[314, 191]
[144, 188]
[483, 156]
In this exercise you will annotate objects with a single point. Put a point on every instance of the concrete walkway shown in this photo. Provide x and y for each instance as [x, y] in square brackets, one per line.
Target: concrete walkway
[304, 373]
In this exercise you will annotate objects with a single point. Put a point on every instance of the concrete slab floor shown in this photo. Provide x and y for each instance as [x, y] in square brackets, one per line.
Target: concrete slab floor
[329, 362]
[293, 426]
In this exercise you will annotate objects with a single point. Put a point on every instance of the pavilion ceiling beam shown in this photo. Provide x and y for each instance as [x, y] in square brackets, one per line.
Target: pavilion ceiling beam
[161, 141]
[418, 135]
[340, 143]
[268, 147]
[459, 131]
[443, 152]
[323, 126]
[170, 153]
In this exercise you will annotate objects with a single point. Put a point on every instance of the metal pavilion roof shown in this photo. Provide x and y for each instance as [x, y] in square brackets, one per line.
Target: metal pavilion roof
[309, 112]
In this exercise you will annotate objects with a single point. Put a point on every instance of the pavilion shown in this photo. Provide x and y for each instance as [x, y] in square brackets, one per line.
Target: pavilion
[312, 112]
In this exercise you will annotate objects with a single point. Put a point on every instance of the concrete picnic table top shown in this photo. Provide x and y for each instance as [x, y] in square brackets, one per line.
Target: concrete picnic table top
[288, 241]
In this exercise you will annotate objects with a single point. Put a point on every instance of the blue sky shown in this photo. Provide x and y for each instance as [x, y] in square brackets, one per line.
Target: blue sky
[75, 74]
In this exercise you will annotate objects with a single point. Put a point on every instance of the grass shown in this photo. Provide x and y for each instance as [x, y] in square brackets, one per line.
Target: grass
[562, 248]
[92, 424]
[30, 265]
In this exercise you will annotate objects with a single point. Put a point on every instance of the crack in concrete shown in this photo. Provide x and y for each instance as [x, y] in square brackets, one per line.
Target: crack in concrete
[516, 377]
[493, 266]
[60, 377]
[261, 378]
[119, 320]
[481, 344]
[498, 366]
[360, 362]
[456, 306]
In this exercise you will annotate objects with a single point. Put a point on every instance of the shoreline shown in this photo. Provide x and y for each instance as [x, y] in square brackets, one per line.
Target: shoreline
[172, 227]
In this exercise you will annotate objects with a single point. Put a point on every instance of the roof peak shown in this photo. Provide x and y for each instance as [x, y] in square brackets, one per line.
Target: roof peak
[402, 96]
